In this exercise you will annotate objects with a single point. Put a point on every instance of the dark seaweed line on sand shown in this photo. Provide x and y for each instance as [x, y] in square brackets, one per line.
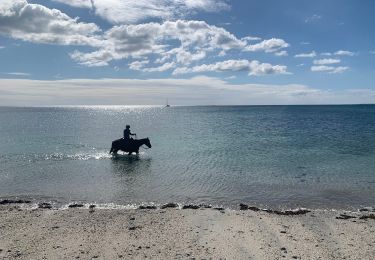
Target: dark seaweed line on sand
[242, 207]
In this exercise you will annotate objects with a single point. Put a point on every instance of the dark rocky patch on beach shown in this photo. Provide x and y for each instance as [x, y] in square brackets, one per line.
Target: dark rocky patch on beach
[191, 206]
[247, 207]
[11, 201]
[76, 205]
[205, 206]
[91, 208]
[365, 217]
[291, 212]
[45, 205]
[277, 212]
[147, 207]
[169, 205]
[344, 216]
[135, 227]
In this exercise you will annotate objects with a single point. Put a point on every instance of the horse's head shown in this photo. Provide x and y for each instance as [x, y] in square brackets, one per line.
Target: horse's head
[147, 143]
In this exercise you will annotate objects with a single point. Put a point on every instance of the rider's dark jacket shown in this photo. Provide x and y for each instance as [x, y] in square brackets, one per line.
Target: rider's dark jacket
[127, 134]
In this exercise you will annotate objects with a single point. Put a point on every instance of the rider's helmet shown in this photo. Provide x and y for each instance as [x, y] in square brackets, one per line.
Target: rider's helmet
[127, 126]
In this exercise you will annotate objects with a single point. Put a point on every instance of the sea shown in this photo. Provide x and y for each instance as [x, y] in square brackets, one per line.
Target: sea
[318, 157]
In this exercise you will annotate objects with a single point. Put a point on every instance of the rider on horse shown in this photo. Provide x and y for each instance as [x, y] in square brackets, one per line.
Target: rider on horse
[128, 144]
[127, 134]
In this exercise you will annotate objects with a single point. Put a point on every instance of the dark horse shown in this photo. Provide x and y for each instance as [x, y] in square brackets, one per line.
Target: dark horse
[131, 147]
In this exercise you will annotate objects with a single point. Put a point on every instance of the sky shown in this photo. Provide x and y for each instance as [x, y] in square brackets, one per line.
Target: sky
[191, 52]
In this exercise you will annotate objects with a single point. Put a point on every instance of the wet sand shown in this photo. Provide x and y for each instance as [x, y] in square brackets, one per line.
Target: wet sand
[79, 233]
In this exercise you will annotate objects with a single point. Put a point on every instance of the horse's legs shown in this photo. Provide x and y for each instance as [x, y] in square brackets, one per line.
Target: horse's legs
[137, 152]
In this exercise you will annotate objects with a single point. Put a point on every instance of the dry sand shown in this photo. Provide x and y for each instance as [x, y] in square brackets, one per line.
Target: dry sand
[182, 234]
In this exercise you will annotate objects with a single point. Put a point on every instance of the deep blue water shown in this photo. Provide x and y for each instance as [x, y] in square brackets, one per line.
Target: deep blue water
[272, 156]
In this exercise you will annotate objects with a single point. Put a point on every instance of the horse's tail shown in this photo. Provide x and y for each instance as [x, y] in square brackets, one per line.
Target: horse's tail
[112, 149]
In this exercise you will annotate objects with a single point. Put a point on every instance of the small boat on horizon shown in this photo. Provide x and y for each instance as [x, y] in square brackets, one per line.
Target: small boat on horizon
[167, 105]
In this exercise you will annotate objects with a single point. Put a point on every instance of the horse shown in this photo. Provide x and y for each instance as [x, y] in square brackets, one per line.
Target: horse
[132, 146]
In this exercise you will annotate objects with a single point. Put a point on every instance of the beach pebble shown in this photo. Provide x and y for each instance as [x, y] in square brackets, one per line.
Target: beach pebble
[135, 227]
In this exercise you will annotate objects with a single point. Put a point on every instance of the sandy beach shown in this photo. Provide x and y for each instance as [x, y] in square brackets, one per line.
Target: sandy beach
[81, 233]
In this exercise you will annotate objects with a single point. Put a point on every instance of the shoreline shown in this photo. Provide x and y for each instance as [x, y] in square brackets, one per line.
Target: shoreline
[169, 233]
[27, 202]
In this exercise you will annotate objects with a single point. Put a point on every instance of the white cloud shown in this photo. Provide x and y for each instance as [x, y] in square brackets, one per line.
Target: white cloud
[251, 38]
[193, 91]
[304, 43]
[36, 23]
[164, 67]
[138, 65]
[2, 47]
[193, 41]
[77, 3]
[271, 45]
[252, 67]
[21, 74]
[222, 53]
[329, 69]
[344, 53]
[312, 19]
[121, 42]
[184, 57]
[281, 53]
[326, 61]
[169, 44]
[93, 59]
[130, 11]
[306, 55]
[338, 53]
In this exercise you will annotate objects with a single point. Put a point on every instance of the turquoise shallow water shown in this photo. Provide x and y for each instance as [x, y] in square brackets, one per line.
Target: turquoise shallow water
[271, 156]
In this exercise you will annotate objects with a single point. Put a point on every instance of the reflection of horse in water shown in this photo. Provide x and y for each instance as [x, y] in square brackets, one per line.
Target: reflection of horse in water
[130, 146]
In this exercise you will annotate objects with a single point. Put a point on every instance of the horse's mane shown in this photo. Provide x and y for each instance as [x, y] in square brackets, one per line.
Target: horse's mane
[143, 139]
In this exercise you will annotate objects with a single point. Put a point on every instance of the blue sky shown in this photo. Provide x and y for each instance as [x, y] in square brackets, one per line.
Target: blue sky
[194, 52]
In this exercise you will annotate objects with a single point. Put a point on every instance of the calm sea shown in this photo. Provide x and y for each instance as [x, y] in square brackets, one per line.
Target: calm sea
[271, 156]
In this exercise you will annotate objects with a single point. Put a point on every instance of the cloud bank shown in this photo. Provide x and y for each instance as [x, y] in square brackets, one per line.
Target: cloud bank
[130, 11]
[150, 47]
[193, 91]
[39, 24]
